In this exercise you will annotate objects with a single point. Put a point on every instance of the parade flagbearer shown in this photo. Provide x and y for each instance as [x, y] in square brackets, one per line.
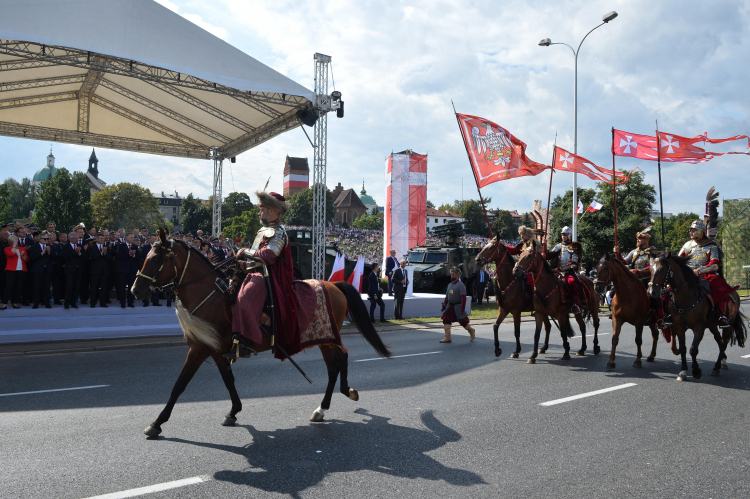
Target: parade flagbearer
[454, 306]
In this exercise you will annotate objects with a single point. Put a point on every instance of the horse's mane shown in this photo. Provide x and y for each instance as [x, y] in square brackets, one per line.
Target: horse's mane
[196, 253]
[546, 264]
[681, 262]
[626, 269]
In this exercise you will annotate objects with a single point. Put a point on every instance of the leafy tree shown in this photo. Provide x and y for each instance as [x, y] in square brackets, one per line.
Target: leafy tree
[301, 208]
[245, 225]
[676, 230]
[476, 223]
[235, 204]
[21, 197]
[375, 211]
[195, 216]
[446, 207]
[5, 208]
[126, 206]
[503, 225]
[369, 222]
[64, 199]
[430, 204]
[528, 221]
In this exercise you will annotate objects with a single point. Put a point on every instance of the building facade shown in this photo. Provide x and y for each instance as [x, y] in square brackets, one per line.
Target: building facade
[348, 206]
[46, 172]
[437, 217]
[296, 175]
[170, 205]
[92, 174]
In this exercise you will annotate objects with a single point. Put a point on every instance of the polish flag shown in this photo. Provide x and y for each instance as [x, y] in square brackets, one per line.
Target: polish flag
[337, 273]
[580, 208]
[594, 206]
[355, 279]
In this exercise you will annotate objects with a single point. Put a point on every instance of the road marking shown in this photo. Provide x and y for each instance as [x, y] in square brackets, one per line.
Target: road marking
[152, 488]
[397, 356]
[50, 391]
[745, 357]
[590, 335]
[589, 394]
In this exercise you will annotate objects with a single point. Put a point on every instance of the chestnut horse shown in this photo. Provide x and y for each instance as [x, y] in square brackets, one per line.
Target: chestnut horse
[631, 304]
[691, 307]
[509, 294]
[208, 331]
[549, 289]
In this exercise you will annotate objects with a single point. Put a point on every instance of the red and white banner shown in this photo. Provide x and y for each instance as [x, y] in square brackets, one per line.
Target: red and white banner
[580, 208]
[337, 272]
[671, 148]
[634, 145]
[495, 154]
[405, 203]
[568, 162]
[355, 279]
[594, 206]
[296, 180]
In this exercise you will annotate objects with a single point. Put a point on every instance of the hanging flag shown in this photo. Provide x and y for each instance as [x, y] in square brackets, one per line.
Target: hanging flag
[337, 272]
[355, 279]
[672, 148]
[569, 162]
[495, 154]
[594, 207]
[580, 208]
[634, 145]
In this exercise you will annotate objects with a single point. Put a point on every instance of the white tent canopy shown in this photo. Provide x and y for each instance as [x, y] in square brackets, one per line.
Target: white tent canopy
[133, 75]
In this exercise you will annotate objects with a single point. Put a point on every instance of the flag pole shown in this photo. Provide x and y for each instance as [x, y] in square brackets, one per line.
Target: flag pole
[614, 182]
[473, 171]
[661, 202]
[549, 196]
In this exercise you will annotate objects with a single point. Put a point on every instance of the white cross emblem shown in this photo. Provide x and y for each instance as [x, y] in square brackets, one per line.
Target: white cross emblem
[670, 144]
[566, 159]
[628, 144]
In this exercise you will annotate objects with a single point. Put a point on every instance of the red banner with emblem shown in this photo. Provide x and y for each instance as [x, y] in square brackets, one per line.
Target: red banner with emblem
[495, 154]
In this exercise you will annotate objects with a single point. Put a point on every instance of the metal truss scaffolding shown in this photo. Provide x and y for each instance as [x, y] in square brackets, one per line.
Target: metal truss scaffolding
[319, 169]
[217, 195]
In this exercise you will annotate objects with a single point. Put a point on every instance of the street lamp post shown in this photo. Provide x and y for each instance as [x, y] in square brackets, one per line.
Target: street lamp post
[546, 42]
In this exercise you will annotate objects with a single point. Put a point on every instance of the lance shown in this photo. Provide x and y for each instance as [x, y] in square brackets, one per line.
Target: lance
[614, 182]
[661, 201]
[549, 196]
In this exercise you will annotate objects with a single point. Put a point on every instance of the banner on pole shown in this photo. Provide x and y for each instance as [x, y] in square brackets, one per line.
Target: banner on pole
[672, 148]
[568, 162]
[405, 203]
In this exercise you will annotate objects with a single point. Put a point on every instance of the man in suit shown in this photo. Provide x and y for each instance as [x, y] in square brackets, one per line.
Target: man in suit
[374, 293]
[127, 253]
[99, 257]
[481, 280]
[144, 236]
[41, 259]
[71, 255]
[218, 253]
[58, 278]
[391, 263]
[85, 241]
[27, 284]
[145, 250]
[400, 283]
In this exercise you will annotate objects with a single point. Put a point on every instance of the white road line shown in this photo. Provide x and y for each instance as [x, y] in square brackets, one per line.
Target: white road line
[590, 335]
[589, 394]
[745, 357]
[152, 488]
[50, 391]
[397, 356]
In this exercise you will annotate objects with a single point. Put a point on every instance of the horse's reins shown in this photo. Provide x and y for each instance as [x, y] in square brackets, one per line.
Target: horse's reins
[501, 262]
[672, 299]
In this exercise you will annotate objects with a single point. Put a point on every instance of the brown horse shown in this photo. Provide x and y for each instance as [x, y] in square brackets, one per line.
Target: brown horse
[548, 294]
[631, 304]
[509, 294]
[691, 307]
[208, 331]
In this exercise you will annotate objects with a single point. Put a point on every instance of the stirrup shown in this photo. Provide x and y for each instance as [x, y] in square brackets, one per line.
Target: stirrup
[723, 321]
[575, 309]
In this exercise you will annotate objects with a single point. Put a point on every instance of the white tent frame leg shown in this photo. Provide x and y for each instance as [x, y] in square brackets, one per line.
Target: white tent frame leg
[217, 194]
[319, 167]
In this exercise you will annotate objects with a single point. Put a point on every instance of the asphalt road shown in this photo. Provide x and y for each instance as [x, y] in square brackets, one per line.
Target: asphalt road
[457, 422]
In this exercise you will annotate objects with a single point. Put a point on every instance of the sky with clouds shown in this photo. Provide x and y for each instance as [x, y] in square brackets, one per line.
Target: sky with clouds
[399, 65]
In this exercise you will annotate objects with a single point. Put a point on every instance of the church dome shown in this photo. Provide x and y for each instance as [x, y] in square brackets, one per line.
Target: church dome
[365, 198]
[44, 173]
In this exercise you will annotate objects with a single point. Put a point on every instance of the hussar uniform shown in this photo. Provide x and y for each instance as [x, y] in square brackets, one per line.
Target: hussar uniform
[529, 244]
[569, 262]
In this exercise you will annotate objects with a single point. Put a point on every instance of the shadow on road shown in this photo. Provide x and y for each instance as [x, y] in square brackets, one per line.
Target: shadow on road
[288, 461]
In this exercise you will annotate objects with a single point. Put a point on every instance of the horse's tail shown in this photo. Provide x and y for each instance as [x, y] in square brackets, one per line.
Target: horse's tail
[361, 318]
[739, 329]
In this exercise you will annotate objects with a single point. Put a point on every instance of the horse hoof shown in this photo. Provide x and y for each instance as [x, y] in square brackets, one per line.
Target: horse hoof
[597, 349]
[514, 355]
[610, 365]
[649, 359]
[228, 421]
[637, 363]
[542, 350]
[152, 431]
[715, 372]
[531, 361]
[681, 378]
[698, 374]
[317, 417]
[353, 395]
[581, 352]
[566, 356]
[498, 352]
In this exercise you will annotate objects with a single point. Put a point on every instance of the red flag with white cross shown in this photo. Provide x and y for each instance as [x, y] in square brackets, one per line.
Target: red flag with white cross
[566, 161]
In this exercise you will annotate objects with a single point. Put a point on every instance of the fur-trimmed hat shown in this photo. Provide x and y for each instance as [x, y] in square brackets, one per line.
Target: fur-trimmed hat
[273, 200]
[644, 234]
[525, 230]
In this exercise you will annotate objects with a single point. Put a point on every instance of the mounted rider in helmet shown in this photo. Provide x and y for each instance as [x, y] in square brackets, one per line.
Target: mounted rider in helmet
[528, 241]
[568, 253]
[705, 260]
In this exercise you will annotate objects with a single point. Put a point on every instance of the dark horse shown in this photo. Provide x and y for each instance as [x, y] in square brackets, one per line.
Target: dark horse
[509, 293]
[208, 331]
[691, 307]
[549, 296]
[631, 304]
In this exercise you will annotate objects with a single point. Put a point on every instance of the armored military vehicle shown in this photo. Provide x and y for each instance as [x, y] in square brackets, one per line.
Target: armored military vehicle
[432, 264]
[300, 244]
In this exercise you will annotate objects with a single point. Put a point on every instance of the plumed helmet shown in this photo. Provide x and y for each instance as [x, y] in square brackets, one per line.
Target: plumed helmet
[567, 230]
[698, 224]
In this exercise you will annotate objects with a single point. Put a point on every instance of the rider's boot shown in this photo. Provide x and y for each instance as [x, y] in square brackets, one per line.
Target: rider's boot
[238, 348]
[576, 309]
[723, 321]
[447, 338]
[470, 330]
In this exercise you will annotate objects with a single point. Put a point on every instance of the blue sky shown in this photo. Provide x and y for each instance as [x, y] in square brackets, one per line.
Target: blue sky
[399, 64]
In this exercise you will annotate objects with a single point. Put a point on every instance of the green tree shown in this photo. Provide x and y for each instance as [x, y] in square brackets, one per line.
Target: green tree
[446, 207]
[369, 222]
[245, 225]
[126, 206]
[676, 230]
[503, 225]
[476, 223]
[375, 211]
[5, 208]
[21, 197]
[430, 204]
[64, 199]
[195, 216]
[301, 208]
[235, 204]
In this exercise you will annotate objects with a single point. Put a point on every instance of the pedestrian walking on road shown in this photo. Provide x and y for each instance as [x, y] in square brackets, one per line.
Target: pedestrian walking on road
[454, 306]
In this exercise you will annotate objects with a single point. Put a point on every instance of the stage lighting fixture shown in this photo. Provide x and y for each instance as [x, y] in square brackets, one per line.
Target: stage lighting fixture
[307, 116]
